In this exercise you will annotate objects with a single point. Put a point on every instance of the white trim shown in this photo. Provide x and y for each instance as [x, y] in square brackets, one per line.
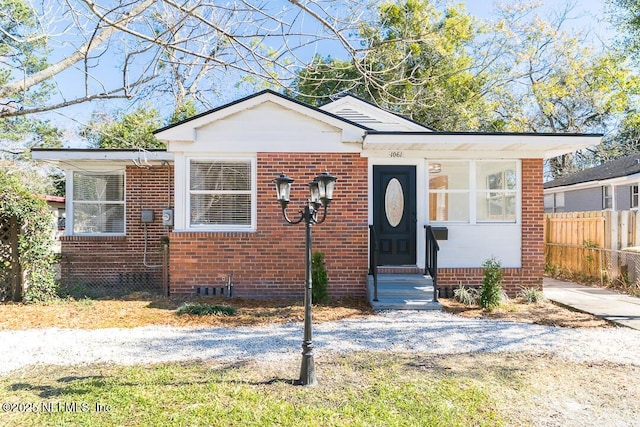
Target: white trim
[183, 201]
[89, 155]
[473, 192]
[69, 203]
[439, 145]
[421, 197]
[188, 131]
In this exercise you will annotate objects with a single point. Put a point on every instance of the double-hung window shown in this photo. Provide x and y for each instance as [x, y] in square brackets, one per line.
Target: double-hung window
[98, 203]
[496, 191]
[221, 194]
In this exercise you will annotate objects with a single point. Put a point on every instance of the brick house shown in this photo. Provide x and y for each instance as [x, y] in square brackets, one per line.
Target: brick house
[215, 180]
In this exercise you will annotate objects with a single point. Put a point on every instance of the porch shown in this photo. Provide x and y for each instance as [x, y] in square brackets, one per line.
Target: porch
[403, 288]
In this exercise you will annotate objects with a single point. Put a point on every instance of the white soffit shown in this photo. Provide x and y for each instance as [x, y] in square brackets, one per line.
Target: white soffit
[65, 157]
[478, 144]
[363, 113]
[189, 130]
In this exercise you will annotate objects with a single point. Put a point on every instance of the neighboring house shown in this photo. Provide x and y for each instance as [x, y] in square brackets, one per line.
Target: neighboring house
[215, 179]
[610, 186]
[57, 207]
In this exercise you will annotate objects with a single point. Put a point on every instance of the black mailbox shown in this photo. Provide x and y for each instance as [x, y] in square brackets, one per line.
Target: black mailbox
[440, 233]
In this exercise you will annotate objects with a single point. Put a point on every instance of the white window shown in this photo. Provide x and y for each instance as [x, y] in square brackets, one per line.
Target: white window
[496, 196]
[449, 192]
[607, 198]
[559, 202]
[98, 203]
[221, 194]
[634, 196]
[473, 191]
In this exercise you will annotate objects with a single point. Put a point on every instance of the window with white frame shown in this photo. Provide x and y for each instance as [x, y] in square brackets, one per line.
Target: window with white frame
[607, 197]
[449, 192]
[474, 191]
[634, 196]
[98, 202]
[220, 193]
[496, 191]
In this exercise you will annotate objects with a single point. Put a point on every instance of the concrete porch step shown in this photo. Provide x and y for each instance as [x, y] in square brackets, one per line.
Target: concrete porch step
[402, 292]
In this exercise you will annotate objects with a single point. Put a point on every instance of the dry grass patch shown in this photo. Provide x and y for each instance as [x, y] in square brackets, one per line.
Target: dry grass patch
[541, 313]
[144, 310]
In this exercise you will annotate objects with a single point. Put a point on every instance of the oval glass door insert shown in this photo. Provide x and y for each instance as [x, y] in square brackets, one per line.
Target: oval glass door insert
[394, 202]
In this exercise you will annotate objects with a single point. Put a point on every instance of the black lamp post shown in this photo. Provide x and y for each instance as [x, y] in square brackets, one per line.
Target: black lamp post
[320, 195]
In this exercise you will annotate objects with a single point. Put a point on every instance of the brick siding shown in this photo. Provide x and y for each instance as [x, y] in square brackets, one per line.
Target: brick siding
[270, 261]
[116, 261]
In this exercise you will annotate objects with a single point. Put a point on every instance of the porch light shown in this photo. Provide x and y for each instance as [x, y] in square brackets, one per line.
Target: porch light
[326, 183]
[314, 193]
[320, 195]
[283, 189]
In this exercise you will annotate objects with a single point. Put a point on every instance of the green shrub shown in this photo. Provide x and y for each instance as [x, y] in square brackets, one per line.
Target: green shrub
[202, 309]
[36, 257]
[491, 291]
[466, 296]
[319, 279]
[531, 295]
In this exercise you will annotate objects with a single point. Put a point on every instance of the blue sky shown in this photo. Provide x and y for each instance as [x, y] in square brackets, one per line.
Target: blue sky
[589, 16]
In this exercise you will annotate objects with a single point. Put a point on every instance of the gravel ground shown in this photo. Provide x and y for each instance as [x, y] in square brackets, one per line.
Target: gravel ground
[429, 332]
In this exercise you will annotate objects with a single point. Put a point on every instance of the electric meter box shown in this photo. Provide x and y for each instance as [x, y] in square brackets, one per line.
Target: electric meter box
[167, 217]
[147, 215]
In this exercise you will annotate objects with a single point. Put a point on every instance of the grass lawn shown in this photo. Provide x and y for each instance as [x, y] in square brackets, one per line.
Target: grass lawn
[356, 390]
[363, 389]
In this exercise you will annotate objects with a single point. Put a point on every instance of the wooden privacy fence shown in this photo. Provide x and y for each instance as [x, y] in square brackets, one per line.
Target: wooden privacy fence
[589, 244]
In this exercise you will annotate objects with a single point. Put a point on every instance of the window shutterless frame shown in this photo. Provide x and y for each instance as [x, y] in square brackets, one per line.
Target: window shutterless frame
[497, 191]
[92, 209]
[217, 192]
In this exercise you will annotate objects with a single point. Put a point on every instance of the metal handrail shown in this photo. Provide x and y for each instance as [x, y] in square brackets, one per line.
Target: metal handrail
[373, 260]
[431, 258]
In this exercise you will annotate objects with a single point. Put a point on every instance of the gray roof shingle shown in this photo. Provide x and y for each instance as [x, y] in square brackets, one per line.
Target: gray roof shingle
[624, 166]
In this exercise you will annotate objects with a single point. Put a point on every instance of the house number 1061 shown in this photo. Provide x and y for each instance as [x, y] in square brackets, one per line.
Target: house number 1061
[395, 154]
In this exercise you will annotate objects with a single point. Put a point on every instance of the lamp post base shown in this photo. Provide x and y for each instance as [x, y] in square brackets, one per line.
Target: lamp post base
[307, 369]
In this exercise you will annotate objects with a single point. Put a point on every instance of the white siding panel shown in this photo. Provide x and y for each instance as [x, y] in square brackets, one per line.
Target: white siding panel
[471, 245]
[268, 127]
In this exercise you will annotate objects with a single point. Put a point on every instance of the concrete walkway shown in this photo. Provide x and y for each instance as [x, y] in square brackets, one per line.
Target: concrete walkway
[613, 306]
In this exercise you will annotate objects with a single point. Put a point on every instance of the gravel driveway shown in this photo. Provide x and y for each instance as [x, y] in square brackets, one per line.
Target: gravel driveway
[430, 332]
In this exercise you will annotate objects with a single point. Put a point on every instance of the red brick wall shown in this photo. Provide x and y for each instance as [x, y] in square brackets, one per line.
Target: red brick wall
[532, 261]
[118, 261]
[270, 261]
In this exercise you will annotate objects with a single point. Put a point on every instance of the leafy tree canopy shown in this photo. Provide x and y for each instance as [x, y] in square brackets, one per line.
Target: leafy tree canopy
[125, 130]
[416, 62]
[626, 16]
[23, 52]
[555, 81]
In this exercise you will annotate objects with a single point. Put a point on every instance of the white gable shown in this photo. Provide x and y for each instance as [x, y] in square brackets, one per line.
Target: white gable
[363, 113]
[264, 123]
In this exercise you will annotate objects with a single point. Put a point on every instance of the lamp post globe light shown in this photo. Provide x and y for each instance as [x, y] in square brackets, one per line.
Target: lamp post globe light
[320, 196]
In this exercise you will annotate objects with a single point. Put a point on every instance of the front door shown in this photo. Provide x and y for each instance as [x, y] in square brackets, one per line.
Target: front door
[394, 214]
